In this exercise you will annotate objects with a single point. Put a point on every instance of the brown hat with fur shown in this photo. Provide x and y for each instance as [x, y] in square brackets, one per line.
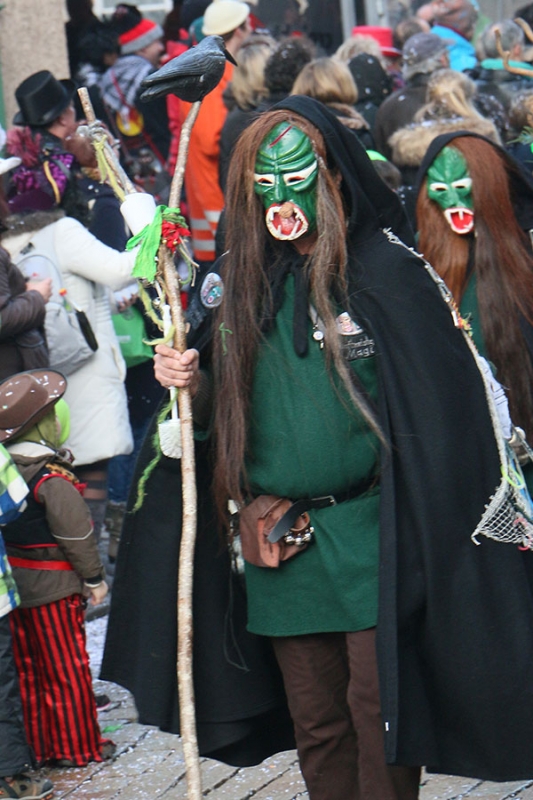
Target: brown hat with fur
[25, 398]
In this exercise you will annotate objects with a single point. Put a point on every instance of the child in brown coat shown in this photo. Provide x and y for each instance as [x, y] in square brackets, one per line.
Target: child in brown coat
[56, 565]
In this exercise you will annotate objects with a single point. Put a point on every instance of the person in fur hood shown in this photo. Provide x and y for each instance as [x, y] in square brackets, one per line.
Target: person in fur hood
[450, 106]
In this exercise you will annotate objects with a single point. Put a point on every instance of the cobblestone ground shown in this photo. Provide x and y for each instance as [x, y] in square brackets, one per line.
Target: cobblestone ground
[149, 764]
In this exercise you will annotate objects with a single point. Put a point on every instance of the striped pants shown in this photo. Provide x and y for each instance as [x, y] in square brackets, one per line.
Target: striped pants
[55, 681]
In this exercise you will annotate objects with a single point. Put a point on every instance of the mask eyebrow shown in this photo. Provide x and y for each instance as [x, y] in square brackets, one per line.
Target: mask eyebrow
[281, 135]
[301, 174]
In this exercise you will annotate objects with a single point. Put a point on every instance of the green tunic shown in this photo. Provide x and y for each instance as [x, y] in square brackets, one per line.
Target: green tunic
[470, 311]
[306, 440]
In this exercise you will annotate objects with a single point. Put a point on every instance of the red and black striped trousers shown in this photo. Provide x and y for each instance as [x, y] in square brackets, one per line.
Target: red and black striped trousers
[55, 681]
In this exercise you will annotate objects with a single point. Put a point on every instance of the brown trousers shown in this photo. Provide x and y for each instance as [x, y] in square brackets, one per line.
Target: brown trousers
[331, 680]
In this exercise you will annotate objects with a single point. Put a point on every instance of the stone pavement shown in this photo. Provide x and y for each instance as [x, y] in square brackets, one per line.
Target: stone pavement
[149, 764]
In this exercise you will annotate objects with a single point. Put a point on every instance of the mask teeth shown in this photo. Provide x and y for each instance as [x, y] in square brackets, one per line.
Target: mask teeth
[462, 213]
[272, 211]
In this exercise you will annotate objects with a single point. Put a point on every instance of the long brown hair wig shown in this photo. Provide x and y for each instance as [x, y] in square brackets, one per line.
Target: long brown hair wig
[247, 295]
[502, 265]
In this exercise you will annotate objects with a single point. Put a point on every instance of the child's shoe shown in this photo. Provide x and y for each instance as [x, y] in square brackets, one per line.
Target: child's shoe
[108, 750]
[24, 787]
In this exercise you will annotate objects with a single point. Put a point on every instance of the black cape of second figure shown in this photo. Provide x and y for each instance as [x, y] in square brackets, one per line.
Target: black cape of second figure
[455, 628]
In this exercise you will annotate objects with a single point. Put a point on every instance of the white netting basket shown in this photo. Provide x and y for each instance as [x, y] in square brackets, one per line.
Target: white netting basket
[508, 517]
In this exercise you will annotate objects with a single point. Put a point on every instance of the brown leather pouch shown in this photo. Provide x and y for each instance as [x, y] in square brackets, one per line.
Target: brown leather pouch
[255, 523]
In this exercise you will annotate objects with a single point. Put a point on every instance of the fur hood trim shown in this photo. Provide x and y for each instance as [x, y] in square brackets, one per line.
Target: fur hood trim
[349, 116]
[409, 144]
[31, 223]
[21, 228]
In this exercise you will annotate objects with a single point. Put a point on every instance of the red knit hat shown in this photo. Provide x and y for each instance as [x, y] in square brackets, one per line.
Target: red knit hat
[140, 36]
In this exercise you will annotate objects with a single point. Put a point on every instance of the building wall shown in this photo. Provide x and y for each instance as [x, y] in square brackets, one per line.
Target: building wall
[31, 38]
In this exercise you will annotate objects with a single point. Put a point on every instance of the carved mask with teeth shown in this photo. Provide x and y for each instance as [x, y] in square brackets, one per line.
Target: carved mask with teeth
[450, 185]
[286, 173]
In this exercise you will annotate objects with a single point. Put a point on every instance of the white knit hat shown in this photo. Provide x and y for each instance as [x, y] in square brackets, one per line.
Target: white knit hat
[224, 16]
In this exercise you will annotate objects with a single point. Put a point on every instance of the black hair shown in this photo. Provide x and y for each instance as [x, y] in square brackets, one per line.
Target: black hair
[286, 63]
[191, 10]
[100, 40]
[125, 17]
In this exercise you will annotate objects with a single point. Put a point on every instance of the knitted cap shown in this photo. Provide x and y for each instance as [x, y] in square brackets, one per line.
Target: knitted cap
[223, 16]
[140, 36]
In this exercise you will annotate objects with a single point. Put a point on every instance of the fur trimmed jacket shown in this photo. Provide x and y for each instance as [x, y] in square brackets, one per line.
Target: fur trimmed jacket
[409, 144]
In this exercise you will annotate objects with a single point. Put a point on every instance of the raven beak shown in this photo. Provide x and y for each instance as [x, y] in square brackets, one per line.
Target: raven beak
[230, 57]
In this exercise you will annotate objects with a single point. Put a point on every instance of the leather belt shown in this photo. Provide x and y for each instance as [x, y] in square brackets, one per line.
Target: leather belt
[286, 522]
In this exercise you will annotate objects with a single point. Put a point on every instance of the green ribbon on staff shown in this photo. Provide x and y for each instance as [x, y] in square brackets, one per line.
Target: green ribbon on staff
[149, 240]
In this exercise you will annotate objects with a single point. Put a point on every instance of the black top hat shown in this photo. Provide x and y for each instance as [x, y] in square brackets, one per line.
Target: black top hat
[42, 98]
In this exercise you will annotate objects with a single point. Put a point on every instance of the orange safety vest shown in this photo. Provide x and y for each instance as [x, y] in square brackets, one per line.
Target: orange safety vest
[204, 195]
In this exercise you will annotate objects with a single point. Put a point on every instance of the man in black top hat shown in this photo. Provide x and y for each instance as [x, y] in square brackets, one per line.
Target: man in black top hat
[46, 107]
[47, 104]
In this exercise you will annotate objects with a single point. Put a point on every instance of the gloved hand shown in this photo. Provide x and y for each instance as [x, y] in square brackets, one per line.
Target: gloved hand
[97, 593]
[138, 211]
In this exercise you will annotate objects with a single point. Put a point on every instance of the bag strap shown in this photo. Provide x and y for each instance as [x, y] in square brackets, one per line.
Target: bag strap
[121, 95]
[144, 133]
[31, 251]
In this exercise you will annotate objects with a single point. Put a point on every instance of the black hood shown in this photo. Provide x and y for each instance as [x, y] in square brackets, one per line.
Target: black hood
[371, 204]
[520, 180]
[373, 83]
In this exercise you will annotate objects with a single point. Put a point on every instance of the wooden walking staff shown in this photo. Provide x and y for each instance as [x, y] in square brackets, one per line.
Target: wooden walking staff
[189, 494]
[190, 76]
[167, 277]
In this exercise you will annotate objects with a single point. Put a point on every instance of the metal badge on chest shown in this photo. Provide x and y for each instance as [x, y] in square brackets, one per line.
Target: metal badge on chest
[355, 343]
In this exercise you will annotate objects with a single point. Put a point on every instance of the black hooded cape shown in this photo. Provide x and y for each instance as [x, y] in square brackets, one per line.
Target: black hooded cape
[455, 630]
[521, 191]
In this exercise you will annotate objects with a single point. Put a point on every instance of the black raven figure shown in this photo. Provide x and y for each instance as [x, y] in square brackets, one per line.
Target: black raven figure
[191, 75]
